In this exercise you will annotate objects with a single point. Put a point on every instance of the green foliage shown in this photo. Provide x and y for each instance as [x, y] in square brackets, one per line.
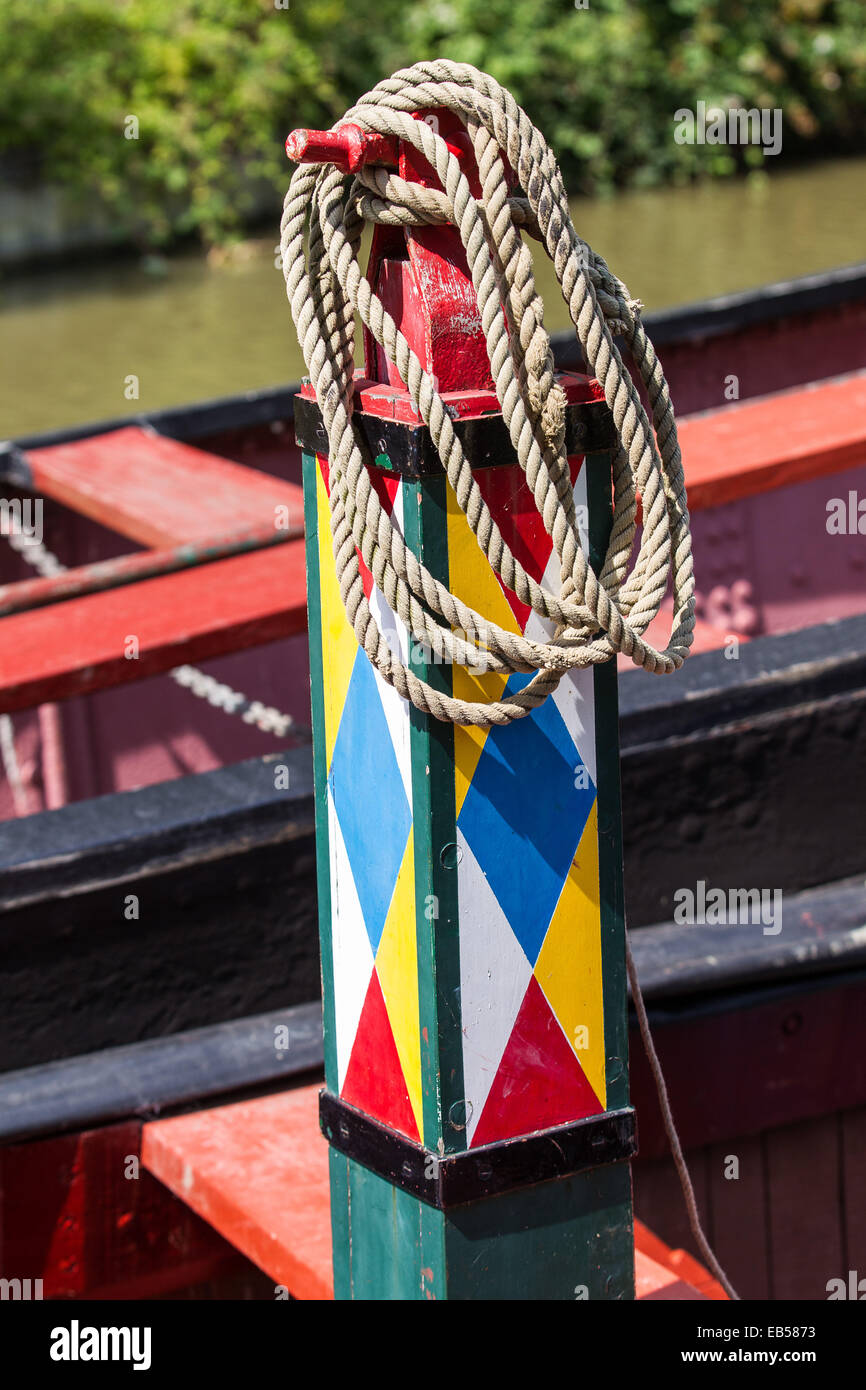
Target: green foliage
[215, 88]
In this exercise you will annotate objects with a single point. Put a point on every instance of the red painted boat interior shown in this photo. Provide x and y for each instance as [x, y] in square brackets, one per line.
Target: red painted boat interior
[257, 1172]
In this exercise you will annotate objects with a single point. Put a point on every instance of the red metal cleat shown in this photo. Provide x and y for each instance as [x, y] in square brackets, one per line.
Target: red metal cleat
[348, 147]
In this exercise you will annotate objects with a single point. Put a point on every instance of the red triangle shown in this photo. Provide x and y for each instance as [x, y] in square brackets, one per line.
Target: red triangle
[513, 508]
[374, 1081]
[540, 1082]
[386, 486]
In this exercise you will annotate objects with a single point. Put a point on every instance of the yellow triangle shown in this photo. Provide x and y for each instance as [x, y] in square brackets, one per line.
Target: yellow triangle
[473, 581]
[569, 963]
[397, 968]
[339, 643]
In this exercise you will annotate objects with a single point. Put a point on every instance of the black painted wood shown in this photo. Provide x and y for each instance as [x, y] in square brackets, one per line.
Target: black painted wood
[453, 1180]
[821, 930]
[409, 449]
[223, 869]
[748, 774]
[164, 1075]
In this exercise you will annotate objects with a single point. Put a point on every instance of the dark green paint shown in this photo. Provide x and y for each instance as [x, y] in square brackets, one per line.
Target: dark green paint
[432, 751]
[395, 1243]
[563, 1240]
[320, 769]
[613, 971]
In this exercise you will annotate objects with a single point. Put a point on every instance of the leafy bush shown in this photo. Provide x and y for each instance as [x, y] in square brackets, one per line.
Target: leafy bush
[215, 89]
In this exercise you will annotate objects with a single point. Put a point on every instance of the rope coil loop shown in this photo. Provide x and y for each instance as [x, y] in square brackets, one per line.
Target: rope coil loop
[592, 617]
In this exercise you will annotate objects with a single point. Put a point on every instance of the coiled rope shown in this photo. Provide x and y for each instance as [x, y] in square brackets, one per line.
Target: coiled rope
[592, 618]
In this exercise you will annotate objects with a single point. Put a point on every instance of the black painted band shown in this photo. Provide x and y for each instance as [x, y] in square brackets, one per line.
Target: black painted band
[455, 1179]
[409, 450]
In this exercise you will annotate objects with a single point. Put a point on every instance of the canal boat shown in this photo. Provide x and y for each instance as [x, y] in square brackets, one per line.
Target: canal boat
[157, 864]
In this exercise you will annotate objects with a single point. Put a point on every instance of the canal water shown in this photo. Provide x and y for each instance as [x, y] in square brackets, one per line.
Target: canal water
[190, 329]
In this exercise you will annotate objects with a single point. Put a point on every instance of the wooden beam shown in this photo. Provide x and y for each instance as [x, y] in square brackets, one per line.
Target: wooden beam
[257, 1171]
[158, 491]
[81, 645]
[790, 437]
[130, 569]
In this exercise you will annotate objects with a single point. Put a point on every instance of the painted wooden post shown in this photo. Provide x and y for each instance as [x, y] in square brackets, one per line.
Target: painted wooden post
[470, 881]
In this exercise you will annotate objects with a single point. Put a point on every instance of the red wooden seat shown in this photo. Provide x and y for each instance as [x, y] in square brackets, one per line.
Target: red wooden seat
[79, 645]
[158, 491]
[773, 441]
[257, 1171]
[162, 494]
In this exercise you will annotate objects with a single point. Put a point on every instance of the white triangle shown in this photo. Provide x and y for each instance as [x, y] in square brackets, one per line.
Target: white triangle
[397, 710]
[575, 694]
[494, 976]
[352, 953]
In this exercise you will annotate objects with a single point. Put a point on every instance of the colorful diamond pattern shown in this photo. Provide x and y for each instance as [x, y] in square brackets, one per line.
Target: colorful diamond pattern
[528, 886]
[530, 923]
[371, 858]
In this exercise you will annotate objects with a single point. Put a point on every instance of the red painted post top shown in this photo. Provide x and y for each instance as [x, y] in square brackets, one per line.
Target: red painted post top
[348, 147]
[420, 273]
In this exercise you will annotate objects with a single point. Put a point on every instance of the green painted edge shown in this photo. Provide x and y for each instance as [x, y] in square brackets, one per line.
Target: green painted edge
[396, 1242]
[341, 1236]
[605, 687]
[320, 771]
[568, 1240]
[339, 1184]
[432, 759]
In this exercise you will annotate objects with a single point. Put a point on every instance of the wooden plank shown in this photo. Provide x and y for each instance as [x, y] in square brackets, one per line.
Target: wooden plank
[78, 646]
[683, 1270]
[656, 1283]
[774, 441]
[739, 1214]
[129, 569]
[258, 1172]
[158, 491]
[658, 1195]
[803, 1194]
[853, 1123]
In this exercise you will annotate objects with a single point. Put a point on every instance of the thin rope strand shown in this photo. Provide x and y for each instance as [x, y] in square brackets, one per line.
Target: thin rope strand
[671, 1130]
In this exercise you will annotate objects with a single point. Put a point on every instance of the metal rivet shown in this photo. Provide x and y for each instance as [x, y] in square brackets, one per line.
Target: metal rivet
[458, 1115]
[450, 856]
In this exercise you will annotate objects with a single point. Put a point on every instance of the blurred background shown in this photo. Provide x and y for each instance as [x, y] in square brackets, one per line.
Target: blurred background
[142, 164]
